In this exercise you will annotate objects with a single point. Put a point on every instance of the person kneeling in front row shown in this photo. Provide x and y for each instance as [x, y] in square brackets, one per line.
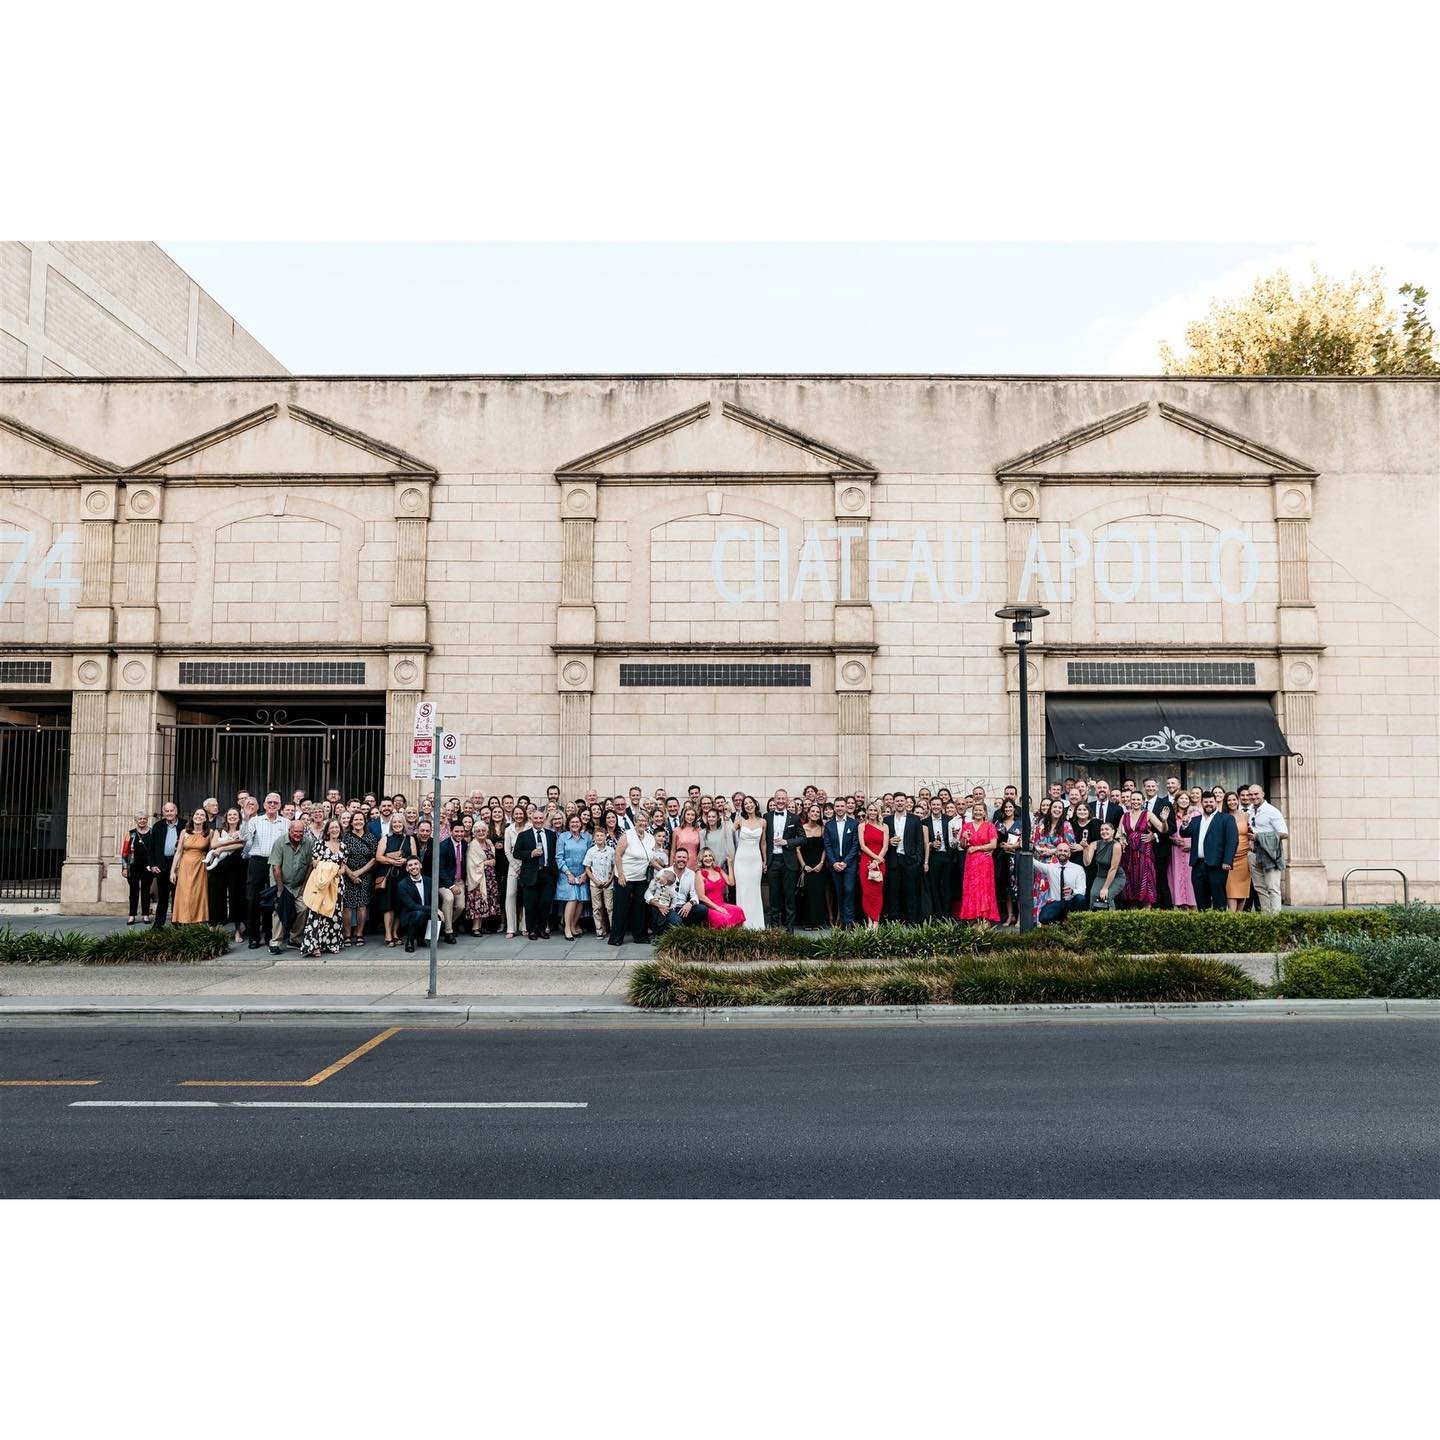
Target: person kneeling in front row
[672, 895]
[415, 900]
[1067, 887]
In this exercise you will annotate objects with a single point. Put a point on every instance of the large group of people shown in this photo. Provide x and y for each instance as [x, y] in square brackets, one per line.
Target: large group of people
[325, 875]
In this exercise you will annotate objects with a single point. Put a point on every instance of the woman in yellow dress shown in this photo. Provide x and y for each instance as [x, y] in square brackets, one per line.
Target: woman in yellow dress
[1237, 882]
[191, 905]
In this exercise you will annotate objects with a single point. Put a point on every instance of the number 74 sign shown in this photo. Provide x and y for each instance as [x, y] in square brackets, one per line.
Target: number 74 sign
[53, 572]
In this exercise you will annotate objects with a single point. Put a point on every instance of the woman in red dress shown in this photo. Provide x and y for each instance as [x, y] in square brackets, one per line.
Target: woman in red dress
[873, 840]
[710, 883]
[979, 837]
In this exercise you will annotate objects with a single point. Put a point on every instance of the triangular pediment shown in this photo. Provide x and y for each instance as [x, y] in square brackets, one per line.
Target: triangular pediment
[1153, 441]
[281, 440]
[26, 452]
[715, 440]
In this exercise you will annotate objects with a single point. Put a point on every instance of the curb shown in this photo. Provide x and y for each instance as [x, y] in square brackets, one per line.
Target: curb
[461, 1012]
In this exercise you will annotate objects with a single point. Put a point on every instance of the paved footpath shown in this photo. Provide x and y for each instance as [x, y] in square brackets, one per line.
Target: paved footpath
[491, 970]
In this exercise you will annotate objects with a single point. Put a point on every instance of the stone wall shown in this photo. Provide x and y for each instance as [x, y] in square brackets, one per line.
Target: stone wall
[505, 546]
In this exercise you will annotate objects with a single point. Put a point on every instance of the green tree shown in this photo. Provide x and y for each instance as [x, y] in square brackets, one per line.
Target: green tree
[1330, 327]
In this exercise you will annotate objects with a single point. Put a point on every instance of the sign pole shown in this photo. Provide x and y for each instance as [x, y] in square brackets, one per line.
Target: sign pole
[435, 869]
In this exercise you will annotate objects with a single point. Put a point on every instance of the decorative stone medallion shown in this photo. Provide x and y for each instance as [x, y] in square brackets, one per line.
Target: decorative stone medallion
[1301, 675]
[406, 671]
[88, 671]
[853, 672]
[134, 673]
[852, 498]
[576, 672]
[412, 501]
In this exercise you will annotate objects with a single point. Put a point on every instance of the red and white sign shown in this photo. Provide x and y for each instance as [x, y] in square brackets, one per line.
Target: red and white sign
[422, 757]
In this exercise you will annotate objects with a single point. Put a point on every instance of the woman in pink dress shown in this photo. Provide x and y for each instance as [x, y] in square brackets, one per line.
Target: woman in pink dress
[710, 883]
[1139, 830]
[1182, 891]
[979, 837]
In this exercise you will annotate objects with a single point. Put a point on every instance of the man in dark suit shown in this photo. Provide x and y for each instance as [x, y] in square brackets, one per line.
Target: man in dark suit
[905, 863]
[784, 835]
[1161, 807]
[940, 879]
[1106, 810]
[842, 850]
[415, 900]
[539, 872]
[160, 846]
[452, 883]
[1214, 839]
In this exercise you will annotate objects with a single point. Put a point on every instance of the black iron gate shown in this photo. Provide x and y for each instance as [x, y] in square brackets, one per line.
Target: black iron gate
[34, 783]
[197, 761]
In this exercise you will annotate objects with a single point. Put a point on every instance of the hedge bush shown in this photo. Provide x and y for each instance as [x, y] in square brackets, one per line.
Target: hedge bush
[1136, 932]
[1012, 979]
[175, 944]
[1212, 932]
[1398, 967]
[1316, 973]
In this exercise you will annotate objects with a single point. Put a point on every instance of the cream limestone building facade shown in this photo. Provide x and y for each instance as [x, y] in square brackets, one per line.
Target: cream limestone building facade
[737, 581]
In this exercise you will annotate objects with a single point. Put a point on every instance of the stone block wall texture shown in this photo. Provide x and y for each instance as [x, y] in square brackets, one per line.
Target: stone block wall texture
[108, 307]
[287, 541]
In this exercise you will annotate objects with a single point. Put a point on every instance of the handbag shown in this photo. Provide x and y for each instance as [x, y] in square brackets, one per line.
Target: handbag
[876, 872]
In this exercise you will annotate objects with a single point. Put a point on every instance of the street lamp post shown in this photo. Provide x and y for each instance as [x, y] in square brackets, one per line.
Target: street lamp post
[1022, 617]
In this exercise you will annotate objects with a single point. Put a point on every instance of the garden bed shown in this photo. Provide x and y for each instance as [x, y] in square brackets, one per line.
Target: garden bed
[173, 945]
[1019, 978]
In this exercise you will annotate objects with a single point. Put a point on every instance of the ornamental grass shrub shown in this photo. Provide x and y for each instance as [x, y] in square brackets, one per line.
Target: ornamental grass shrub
[1015, 978]
[175, 944]
[1416, 918]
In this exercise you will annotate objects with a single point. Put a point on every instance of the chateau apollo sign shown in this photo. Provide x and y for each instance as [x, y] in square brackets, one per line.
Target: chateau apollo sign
[1151, 564]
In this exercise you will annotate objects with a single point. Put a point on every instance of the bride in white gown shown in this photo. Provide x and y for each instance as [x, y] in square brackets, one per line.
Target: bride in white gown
[749, 866]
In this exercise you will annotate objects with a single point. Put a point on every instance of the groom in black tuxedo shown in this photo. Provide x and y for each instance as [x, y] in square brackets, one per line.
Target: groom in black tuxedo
[904, 863]
[784, 835]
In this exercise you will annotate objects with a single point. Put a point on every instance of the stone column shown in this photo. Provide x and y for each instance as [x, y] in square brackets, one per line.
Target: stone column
[136, 712]
[575, 630]
[854, 636]
[1306, 879]
[93, 615]
[138, 622]
[399, 728]
[408, 624]
[85, 810]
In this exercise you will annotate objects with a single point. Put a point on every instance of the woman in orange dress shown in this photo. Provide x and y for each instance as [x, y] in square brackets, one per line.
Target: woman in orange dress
[1237, 882]
[979, 838]
[191, 905]
[873, 840]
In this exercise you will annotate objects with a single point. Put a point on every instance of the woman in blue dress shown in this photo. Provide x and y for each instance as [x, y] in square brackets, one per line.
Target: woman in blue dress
[572, 889]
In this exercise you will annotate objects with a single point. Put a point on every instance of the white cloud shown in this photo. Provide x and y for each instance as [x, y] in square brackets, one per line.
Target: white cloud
[1137, 351]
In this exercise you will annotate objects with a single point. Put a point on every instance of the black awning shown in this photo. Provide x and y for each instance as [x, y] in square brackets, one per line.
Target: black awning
[1173, 727]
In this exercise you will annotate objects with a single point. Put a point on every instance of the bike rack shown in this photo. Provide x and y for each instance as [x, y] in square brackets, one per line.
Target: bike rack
[1374, 870]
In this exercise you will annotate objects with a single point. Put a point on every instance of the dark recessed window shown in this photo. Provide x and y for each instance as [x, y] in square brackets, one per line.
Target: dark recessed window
[272, 672]
[714, 676]
[24, 672]
[1160, 672]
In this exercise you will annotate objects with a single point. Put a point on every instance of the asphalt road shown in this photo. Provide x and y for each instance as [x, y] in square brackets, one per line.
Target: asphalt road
[1282, 1108]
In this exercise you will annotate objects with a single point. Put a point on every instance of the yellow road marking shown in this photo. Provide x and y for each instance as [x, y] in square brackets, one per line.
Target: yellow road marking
[318, 1078]
[49, 1082]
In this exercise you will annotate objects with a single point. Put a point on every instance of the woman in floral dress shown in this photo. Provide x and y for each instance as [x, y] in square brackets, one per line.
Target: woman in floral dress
[323, 934]
[482, 892]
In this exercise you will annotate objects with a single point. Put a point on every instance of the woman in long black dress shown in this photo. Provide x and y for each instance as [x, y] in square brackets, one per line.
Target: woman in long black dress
[811, 906]
[1087, 833]
[1009, 829]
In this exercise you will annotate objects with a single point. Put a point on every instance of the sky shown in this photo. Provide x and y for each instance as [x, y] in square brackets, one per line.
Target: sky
[968, 308]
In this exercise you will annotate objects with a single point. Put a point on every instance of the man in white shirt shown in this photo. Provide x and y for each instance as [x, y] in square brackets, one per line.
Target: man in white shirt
[842, 849]
[1268, 832]
[260, 832]
[1066, 880]
[685, 909]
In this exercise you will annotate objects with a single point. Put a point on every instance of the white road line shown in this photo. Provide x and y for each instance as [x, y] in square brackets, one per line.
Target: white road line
[329, 1104]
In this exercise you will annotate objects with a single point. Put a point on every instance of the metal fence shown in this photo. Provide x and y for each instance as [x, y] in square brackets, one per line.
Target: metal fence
[34, 781]
[220, 759]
